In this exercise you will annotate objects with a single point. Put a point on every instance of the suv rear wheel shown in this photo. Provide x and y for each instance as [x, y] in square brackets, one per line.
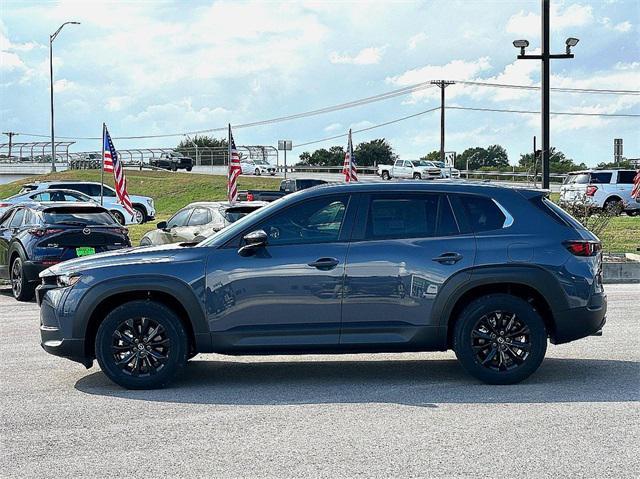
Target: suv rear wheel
[613, 206]
[141, 345]
[22, 289]
[500, 339]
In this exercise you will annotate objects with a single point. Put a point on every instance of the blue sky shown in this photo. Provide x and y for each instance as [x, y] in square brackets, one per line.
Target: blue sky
[150, 68]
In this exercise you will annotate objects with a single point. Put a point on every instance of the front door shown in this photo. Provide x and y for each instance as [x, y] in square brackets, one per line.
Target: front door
[287, 295]
[404, 248]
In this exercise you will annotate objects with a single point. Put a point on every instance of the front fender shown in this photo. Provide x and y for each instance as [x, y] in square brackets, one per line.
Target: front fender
[182, 292]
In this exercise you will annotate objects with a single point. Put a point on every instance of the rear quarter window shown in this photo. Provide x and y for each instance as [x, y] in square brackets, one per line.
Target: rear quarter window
[482, 213]
[600, 178]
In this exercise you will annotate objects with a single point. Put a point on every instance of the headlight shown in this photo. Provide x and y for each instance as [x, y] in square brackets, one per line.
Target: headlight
[67, 280]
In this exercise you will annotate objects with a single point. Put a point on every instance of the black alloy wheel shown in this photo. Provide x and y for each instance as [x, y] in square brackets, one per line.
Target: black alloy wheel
[21, 288]
[500, 339]
[141, 345]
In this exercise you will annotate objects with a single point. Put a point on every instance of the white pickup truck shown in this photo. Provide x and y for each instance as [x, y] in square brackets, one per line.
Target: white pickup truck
[416, 169]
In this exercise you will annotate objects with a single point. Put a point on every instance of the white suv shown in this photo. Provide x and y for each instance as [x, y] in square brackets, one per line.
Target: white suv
[601, 189]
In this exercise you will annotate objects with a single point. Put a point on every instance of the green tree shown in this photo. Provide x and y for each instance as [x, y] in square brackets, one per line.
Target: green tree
[431, 156]
[494, 156]
[558, 162]
[374, 152]
[210, 150]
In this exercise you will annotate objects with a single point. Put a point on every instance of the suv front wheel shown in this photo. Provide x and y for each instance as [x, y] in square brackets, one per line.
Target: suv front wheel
[141, 345]
[500, 339]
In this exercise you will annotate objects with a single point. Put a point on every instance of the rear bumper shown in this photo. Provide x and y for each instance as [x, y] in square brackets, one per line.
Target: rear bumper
[32, 270]
[577, 323]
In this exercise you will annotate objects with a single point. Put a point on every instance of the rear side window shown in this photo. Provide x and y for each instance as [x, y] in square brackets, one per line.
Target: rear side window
[600, 177]
[410, 216]
[483, 214]
[626, 177]
[559, 214]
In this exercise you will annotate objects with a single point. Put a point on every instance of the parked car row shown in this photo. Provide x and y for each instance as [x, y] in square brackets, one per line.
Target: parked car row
[288, 186]
[361, 267]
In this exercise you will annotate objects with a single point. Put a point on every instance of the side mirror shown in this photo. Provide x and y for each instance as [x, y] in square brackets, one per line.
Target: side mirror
[162, 225]
[252, 241]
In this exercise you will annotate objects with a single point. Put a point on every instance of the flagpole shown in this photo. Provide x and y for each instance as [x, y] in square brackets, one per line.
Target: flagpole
[104, 127]
[229, 163]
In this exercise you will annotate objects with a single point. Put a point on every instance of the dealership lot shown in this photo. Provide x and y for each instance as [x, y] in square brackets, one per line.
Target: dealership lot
[331, 416]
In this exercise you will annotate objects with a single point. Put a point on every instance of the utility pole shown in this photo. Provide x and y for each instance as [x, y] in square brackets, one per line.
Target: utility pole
[545, 57]
[10, 134]
[442, 84]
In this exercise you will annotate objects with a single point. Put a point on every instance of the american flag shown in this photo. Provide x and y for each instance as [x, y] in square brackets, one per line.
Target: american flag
[234, 170]
[111, 162]
[350, 171]
[635, 191]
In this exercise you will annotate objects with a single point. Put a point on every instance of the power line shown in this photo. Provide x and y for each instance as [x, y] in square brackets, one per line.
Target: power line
[606, 91]
[342, 106]
[499, 110]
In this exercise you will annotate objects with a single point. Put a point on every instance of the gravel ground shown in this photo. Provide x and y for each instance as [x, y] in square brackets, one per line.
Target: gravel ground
[375, 415]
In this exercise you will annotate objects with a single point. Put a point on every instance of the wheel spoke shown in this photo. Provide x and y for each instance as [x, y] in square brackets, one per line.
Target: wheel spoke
[126, 360]
[515, 356]
[490, 356]
[481, 335]
[519, 345]
[500, 341]
[520, 332]
[127, 350]
[153, 333]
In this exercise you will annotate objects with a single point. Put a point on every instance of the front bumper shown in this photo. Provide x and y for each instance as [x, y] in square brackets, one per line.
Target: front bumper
[577, 323]
[53, 338]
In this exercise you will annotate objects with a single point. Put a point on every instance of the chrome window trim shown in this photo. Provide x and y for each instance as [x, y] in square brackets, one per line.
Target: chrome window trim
[508, 219]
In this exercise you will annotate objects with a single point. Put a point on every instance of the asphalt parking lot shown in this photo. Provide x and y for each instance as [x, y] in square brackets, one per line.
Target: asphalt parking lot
[330, 416]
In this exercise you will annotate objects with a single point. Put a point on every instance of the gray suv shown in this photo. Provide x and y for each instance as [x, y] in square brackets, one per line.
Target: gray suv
[489, 272]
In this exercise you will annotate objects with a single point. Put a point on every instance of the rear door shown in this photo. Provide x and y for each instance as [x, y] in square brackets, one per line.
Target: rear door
[405, 246]
[5, 238]
[624, 187]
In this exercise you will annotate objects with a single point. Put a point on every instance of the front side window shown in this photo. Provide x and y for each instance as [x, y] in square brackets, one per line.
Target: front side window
[626, 177]
[200, 216]
[410, 216]
[180, 218]
[315, 221]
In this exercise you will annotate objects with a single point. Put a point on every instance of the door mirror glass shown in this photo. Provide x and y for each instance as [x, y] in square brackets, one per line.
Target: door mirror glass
[253, 241]
[162, 225]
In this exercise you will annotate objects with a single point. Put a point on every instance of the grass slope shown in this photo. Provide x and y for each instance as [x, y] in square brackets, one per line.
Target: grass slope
[172, 191]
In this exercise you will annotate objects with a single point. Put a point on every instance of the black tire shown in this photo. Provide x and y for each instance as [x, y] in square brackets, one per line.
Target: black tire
[189, 168]
[257, 172]
[635, 212]
[613, 206]
[385, 175]
[124, 335]
[417, 176]
[140, 214]
[506, 317]
[119, 217]
[174, 167]
[22, 289]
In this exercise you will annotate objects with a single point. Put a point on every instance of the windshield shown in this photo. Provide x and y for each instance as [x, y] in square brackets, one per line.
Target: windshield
[419, 163]
[79, 217]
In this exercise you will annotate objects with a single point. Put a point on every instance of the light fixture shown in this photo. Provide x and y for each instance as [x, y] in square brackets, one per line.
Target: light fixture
[521, 44]
[571, 42]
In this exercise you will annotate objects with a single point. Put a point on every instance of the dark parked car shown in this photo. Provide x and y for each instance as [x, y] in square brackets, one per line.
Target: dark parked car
[36, 236]
[341, 268]
[172, 161]
[286, 187]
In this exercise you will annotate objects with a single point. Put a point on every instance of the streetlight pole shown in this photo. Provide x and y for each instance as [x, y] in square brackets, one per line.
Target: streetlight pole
[545, 57]
[53, 138]
[442, 84]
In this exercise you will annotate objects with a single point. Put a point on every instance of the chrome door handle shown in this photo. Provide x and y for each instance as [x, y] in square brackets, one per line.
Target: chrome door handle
[324, 264]
[448, 258]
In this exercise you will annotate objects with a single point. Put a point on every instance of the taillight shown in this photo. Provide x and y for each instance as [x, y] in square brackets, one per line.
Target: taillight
[249, 196]
[122, 231]
[4, 205]
[583, 248]
[40, 232]
[591, 190]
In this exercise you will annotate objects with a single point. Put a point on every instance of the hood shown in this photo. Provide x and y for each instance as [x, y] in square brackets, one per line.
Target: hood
[139, 255]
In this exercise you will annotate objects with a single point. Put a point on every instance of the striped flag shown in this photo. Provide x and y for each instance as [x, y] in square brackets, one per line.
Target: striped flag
[234, 169]
[635, 191]
[350, 171]
[111, 162]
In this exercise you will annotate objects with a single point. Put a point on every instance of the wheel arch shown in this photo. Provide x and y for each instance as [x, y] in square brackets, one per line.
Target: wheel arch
[170, 292]
[531, 283]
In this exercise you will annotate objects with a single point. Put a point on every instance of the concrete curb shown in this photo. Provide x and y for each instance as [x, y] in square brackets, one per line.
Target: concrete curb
[615, 273]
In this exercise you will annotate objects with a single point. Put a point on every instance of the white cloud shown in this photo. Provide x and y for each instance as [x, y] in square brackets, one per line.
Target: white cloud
[63, 85]
[415, 40]
[527, 24]
[622, 27]
[333, 127]
[10, 61]
[366, 56]
[117, 103]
